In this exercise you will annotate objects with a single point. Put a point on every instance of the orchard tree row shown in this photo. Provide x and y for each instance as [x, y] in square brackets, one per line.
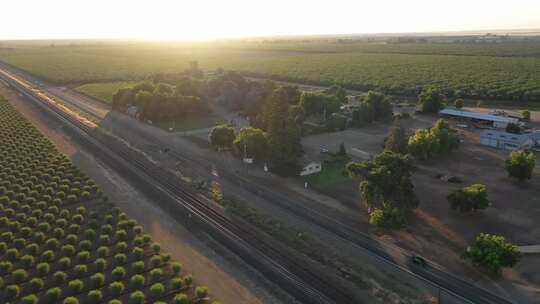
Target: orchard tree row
[61, 241]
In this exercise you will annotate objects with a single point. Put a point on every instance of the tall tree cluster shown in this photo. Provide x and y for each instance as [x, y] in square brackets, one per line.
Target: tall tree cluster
[237, 93]
[471, 198]
[252, 143]
[158, 102]
[431, 100]
[385, 184]
[426, 143]
[520, 165]
[283, 133]
[374, 107]
[398, 140]
[323, 104]
[222, 136]
[492, 252]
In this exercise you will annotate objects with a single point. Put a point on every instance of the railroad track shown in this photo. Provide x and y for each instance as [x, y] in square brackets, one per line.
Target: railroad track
[433, 274]
[290, 273]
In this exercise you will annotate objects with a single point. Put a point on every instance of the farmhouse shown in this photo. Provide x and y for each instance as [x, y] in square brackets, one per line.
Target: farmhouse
[311, 168]
[493, 120]
[505, 140]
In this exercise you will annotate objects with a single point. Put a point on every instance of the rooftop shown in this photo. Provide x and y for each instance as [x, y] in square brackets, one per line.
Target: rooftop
[476, 115]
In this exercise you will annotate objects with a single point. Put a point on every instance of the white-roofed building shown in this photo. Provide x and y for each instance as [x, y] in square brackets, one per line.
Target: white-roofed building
[495, 120]
[311, 168]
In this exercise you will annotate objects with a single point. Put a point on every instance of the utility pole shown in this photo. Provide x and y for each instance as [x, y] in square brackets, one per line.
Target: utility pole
[245, 156]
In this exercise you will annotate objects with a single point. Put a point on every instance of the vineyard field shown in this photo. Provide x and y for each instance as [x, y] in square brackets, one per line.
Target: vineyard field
[504, 71]
[104, 90]
[62, 241]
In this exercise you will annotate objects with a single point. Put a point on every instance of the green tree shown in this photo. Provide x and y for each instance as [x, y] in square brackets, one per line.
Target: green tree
[448, 138]
[381, 106]
[338, 93]
[95, 296]
[231, 94]
[30, 299]
[385, 179]
[12, 291]
[201, 292]
[430, 100]
[180, 299]
[283, 135]
[458, 103]
[342, 151]
[157, 290]
[116, 287]
[492, 252]
[222, 136]
[136, 297]
[471, 198]
[363, 115]
[75, 286]
[387, 217]
[423, 144]
[319, 104]
[337, 122]
[71, 300]
[53, 294]
[398, 140]
[252, 142]
[526, 114]
[291, 94]
[513, 128]
[520, 165]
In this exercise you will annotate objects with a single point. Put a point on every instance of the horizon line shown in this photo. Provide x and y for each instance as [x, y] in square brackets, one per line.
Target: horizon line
[472, 32]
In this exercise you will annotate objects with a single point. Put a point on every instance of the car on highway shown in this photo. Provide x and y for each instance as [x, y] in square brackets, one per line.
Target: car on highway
[418, 260]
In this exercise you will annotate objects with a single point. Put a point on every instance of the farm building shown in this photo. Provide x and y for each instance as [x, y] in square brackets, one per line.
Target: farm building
[535, 135]
[311, 168]
[505, 140]
[493, 120]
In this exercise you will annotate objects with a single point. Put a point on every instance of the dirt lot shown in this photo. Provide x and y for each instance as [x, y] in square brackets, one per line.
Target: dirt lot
[369, 139]
[228, 278]
[435, 230]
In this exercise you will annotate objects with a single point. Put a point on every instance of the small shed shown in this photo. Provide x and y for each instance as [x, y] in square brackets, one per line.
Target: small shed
[505, 140]
[311, 168]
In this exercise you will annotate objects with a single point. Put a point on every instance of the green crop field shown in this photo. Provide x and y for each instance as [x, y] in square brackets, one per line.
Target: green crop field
[62, 242]
[104, 91]
[504, 71]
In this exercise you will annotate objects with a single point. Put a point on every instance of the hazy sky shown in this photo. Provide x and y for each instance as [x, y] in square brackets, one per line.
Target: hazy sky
[187, 19]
